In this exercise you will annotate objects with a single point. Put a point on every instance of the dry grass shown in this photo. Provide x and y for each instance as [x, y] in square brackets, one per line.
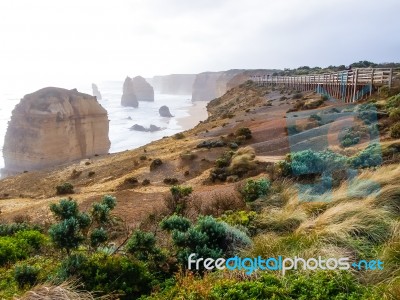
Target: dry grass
[65, 291]
[243, 160]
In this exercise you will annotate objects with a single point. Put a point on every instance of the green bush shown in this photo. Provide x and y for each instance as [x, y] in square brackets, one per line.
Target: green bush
[98, 237]
[109, 274]
[244, 131]
[350, 137]
[393, 102]
[179, 191]
[175, 222]
[25, 275]
[12, 228]
[20, 246]
[394, 114]
[142, 245]
[179, 136]
[206, 238]
[319, 285]
[239, 218]
[369, 157]
[311, 162]
[65, 188]
[395, 131]
[254, 189]
[72, 230]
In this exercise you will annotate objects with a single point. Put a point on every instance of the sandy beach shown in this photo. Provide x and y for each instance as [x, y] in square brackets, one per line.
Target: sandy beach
[197, 112]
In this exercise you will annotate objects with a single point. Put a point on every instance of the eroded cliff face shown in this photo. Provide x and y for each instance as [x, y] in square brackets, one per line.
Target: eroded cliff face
[128, 94]
[174, 84]
[211, 85]
[142, 89]
[95, 91]
[53, 126]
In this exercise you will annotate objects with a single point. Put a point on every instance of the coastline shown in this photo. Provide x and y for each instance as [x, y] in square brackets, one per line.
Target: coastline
[197, 112]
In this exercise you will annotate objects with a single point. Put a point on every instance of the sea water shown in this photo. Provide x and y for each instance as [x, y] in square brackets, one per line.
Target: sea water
[121, 118]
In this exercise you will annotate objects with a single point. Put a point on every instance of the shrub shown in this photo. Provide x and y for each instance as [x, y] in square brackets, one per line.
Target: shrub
[12, 228]
[155, 164]
[146, 182]
[109, 274]
[395, 131]
[65, 188]
[170, 180]
[179, 191]
[188, 156]
[31, 238]
[142, 245]
[243, 160]
[311, 162]
[244, 131]
[239, 218]
[394, 114]
[315, 117]
[179, 136]
[91, 173]
[206, 238]
[369, 157]
[350, 137]
[143, 157]
[98, 237]
[20, 246]
[175, 222]
[131, 180]
[393, 102]
[297, 96]
[324, 97]
[26, 275]
[254, 189]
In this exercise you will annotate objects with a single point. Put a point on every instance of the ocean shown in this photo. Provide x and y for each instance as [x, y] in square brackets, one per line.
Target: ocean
[121, 137]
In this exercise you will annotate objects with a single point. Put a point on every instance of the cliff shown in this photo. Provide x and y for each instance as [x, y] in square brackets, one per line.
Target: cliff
[95, 91]
[175, 84]
[128, 95]
[53, 126]
[142, 89]
[211, 85]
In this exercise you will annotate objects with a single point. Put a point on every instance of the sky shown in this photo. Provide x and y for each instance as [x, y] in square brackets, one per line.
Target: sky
[54, 42]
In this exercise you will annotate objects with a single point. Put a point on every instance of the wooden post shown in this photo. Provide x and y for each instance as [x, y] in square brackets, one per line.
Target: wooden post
[390, 78]
[355, 79]
[372, 82]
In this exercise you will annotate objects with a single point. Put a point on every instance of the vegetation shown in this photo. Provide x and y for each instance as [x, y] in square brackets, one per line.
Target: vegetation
[65, 188]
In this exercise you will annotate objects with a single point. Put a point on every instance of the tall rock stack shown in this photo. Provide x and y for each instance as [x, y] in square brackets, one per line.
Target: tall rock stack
[95, 91]
[128, 96]
[53, 126]
[142, 89]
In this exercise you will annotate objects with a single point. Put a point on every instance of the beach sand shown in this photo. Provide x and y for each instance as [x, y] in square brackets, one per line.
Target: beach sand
[197, 112]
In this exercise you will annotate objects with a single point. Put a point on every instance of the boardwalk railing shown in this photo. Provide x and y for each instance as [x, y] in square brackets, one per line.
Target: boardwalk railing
[348, 86]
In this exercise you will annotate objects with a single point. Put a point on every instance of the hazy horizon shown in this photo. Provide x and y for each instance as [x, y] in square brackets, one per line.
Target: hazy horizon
[63, 43]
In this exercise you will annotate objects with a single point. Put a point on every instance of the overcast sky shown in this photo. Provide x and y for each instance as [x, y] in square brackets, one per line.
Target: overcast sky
[50, 41]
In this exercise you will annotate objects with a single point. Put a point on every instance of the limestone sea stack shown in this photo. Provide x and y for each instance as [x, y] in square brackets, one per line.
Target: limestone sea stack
[95, 91]
[142, 89]
[164, 112]
[128, 95]
[54, 126]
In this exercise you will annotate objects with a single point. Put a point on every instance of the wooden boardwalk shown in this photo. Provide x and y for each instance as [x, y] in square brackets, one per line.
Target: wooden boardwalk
[347, 86]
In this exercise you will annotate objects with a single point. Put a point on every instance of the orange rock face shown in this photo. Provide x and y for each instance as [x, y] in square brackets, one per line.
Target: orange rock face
[53, 126]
